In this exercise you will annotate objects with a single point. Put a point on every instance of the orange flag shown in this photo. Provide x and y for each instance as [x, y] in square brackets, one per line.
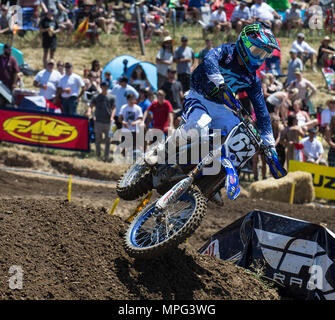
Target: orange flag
[81, 30]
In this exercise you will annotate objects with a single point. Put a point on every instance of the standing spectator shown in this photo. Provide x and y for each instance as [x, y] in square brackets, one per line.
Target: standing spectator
[60, 67]
[121, 91]
[164, 60]
[313, 149]
[324, 51]
[47, 80]
[328, 113]
[302, 116]
[293, 18]
[241, 16]
[49, 28]
[70, 90]
[305, 51]
[290, 136]
[303, 85]
[294, 64]
[218, 22]
[204, 51]
[9, 68]
[162, 113]
[173, 91]
[131, 117]
[103, 104]
[330, 138]
[184, 58]
[262, 12]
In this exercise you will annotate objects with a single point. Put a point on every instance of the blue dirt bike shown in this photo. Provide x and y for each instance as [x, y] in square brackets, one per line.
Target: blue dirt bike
[169, 220]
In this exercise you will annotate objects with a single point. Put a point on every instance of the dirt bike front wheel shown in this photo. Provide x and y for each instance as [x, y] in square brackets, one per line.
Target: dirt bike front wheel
[151, 234]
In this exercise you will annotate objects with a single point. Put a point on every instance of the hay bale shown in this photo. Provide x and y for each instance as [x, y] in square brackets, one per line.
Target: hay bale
[280, 190]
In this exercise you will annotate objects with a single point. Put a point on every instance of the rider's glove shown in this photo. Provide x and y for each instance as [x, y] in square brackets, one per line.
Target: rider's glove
[271, 158]
[225, 94]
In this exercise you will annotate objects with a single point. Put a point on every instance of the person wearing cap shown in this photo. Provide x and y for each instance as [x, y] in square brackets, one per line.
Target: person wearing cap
[164, 59]
[313, 149]
[184, 58]
[9, 68]
[305, 51]
[218, 22]
[120, 91]
[70, 89]
[293, 64]
[324, 51]
[241, 16]
[102, 103]
[174, 94]
[47, 81]
[328, 113]
[306, 89]
[49, 29]
[293, 18]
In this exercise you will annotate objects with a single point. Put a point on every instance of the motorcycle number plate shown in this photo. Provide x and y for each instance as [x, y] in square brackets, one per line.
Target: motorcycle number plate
[240, 145]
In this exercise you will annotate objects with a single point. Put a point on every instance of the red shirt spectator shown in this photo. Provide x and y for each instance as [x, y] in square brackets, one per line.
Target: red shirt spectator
[228, 7]
[162, 112]
[9, 68]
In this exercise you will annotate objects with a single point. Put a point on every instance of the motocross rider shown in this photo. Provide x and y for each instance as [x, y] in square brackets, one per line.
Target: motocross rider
[231, 68]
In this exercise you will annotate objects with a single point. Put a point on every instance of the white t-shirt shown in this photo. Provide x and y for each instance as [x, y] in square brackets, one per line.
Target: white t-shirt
[74, 82]
[240, 14]
[217, 17]
[131, 114]
[312, 149]
[262, 11]
[120, 94]
[163, 55]
[302, 47]
[326, 116]
[51, 79]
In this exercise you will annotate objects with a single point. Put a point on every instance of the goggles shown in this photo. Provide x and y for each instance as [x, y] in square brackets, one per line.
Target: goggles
[259, 53]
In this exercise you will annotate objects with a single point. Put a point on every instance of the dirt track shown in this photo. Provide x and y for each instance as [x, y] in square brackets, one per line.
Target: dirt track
[74, 250]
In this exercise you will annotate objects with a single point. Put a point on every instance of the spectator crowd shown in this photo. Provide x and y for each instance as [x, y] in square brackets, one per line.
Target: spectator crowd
[132, 104]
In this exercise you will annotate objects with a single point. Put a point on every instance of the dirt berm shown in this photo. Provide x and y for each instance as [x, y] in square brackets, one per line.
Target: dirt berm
[68, 251]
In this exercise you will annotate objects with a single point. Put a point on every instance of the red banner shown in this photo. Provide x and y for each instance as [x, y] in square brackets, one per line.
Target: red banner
[44, 129]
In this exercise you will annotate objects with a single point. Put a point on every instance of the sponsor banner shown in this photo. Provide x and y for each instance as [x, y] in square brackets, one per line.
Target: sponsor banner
[323, 177]
[44, 129]
[297, 255]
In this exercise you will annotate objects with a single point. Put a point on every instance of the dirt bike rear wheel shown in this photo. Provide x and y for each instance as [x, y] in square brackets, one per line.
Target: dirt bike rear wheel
[136, 182]
[149, 236]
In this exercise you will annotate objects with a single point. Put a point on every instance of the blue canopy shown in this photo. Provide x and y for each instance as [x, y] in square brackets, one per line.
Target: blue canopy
[117, 67]
[17, 54]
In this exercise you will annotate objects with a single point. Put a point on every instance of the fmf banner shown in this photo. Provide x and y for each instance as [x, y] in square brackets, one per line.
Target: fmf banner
[44, 129]
[297, 255]
[323, 177]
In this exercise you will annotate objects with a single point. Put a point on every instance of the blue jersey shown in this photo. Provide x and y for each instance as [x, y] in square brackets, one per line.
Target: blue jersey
[221, 65]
